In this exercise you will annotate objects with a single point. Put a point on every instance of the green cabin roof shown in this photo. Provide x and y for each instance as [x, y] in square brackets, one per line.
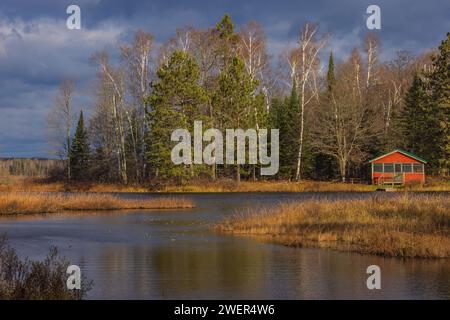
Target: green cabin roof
[406, 153]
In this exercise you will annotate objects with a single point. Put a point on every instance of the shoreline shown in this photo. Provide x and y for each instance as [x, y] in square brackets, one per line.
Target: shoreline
[21, 184]
[15, 203]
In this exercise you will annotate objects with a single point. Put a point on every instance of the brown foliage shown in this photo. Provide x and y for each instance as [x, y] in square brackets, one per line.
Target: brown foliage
[36, 280]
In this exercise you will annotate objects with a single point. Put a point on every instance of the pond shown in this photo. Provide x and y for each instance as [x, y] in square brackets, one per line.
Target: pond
[173, 254]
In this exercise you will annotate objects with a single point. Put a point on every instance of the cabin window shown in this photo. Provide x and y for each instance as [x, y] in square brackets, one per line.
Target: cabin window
[377, 167]
[407, 167]
[398, 167]
[388, 167]
[417, 168]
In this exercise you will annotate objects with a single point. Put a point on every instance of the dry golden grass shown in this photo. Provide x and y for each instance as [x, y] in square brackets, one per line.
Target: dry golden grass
[432, 184]
[267, 186]
[9, 184]
[403, 226]
[26, 184]
[31, 203]
[289, 186]
[39, 185]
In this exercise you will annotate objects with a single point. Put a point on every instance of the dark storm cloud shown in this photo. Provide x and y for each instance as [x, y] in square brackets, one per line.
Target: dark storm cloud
[37, 51]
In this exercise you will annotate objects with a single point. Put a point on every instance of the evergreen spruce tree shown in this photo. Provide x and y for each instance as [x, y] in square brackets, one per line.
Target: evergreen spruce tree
[331, 78]
[79, 152]
[325, 165]
[418, 124]
[290, 132]
[284, 116]
[424, 121]
[279, 119]
[412, 117]
[440, 100]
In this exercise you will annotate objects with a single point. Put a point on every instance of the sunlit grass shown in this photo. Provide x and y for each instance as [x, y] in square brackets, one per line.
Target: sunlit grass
[12, 203]
[23, 184]
[403, 226]
[267, 186]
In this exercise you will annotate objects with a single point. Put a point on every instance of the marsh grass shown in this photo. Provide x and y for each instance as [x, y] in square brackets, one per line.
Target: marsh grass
[266, 186]
[402, 226]
[27, 184]
[36, 280]
[23, 184]
[13, 203]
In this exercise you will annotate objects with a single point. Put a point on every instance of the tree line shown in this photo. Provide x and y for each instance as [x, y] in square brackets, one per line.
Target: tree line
[29, 167]
[333, 116]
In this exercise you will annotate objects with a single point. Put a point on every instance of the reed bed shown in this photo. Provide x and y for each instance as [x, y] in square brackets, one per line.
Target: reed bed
[32, 203]
[401, 226]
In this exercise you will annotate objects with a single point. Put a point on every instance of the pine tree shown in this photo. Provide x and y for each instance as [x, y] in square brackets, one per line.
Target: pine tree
[225, 26]
[176, 102]
[79, 152]
[234, 99]
[164, 120]
[228, 39]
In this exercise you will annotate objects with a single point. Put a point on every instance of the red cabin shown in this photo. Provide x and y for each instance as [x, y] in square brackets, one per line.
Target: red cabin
[398, 167]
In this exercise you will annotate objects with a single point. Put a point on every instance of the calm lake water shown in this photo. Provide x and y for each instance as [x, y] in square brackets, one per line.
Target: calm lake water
[174, 255]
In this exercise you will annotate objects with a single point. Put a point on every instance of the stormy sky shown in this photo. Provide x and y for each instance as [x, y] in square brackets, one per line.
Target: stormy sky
[37, 51]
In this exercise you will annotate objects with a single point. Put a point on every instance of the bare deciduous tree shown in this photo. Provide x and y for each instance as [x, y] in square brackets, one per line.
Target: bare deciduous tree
[181, 41]
[309, 45]
[371, 46]
[252, 50]
[114, 79]
[60, 121]
[395, 80]
[346, 122]
[137, 57]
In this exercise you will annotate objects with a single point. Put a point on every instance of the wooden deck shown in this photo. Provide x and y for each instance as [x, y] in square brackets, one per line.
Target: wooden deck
[395, 180]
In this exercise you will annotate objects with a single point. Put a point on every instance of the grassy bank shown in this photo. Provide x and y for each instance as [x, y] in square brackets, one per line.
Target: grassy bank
[31, 203]
[267, 186]
[11, 184]
[404, 226]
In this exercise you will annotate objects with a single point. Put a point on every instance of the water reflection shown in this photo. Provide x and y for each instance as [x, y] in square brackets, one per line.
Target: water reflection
[173, 254]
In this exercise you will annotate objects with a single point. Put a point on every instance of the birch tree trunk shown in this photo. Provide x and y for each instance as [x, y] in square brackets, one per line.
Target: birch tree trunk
[60, 121]
[118, 109]
[309, 46]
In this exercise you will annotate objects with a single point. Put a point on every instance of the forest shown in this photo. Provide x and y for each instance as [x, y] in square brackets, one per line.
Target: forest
[29, 167]
[333, 115]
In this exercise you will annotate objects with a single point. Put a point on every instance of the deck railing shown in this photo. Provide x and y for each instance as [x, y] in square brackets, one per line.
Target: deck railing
[398, 178]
